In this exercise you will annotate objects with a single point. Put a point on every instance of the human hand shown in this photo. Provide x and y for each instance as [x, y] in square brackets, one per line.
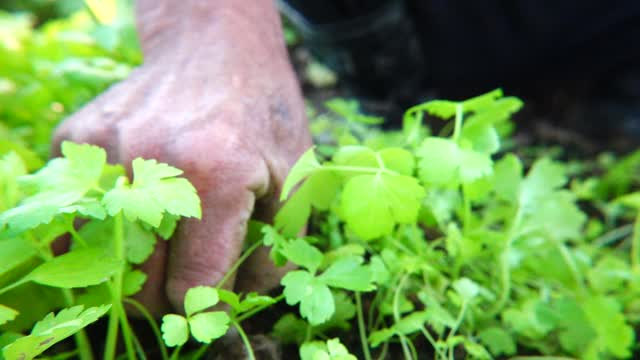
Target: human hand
[217, 99]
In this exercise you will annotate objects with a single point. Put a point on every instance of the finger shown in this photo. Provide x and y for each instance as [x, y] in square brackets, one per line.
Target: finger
[203, 251]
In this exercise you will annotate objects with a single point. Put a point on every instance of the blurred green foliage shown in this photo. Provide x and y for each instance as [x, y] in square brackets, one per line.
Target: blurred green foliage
[50, 69]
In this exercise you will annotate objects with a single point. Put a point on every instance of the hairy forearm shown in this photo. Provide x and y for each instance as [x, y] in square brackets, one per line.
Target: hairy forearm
[250, 28]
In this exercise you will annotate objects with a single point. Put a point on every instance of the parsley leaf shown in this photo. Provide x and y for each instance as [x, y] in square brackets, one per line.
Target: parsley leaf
[372, 204]
[155, 190]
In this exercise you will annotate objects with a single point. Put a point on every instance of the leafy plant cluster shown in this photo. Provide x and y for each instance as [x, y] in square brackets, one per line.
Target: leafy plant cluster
[444, 246]
[49, 71]
[468, 249]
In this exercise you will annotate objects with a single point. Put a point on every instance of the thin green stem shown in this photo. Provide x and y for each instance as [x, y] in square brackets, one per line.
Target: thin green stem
[457, 128]
[76, 236]
[614, 235]
[117, 309]
[112, 335]
[362, 328]
[24, 280]
[239, 262]
[455, 327]
[505, 271]
[152, 323]
[245, 340]
[466, 199]
[568, 259]
[433, 343]
[396, 316]
[383, 353]
[175, 355]
[198, 354]
[635, 244]
[127, 333]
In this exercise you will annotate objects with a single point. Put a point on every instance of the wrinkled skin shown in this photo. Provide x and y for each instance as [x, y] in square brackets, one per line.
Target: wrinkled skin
[217, 98]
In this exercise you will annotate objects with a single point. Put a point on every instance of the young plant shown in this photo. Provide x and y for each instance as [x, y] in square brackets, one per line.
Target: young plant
[47, 204]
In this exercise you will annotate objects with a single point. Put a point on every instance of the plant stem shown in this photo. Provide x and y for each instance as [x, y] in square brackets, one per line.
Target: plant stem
[396, 317]
[568, 259]
[75, 235]
[467, 208]
[453, 331]
[127, 334]
[635, 244]
[614, 235]
[24, 280]
[434, 343]
[198, 354]
[457, 128]
[176, 353]
[152, 323]
[362, 328]
[505, 271]
[245, 340]
[237, 264]
[117, 310]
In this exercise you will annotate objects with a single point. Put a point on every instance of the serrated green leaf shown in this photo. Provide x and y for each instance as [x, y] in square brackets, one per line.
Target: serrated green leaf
[398, 160]
[379, 336]
[38, 209]
[79, 268]
[200, 298]
[132, 282]
[507, 176]
[154, 191]
[53, 329]
[544, 177]
[175, 330]
[356, 155]
[372, 204]
[411, 323]
[313, 350]
[474, 165]
[484, 139]
[230, 298]
[315, 298]
[78, 171]
[253, 300]
[208, 326]
[615, 335]
[348, 273]
[301, 253]
[296, 285]
[287, 329]
[439, 161]
[139, 243]
[498, 341]
[167, 226]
